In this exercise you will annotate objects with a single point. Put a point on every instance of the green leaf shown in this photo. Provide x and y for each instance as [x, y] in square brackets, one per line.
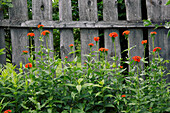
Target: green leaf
[97, 94]
[80, 80]
[78, 87]
[168, 3]
[109, 105]
[168, 34]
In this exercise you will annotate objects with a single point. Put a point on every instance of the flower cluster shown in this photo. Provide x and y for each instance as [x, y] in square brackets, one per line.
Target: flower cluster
[136, 58]
[144, 42]
[114, 34]
[157, 49]
[31, 34]
[126, 32]
[103, 49]
[28, 65]
[96, 39]
[7, 111]
[25, 52]
[46, 32]
[40, 26]
[71, 45]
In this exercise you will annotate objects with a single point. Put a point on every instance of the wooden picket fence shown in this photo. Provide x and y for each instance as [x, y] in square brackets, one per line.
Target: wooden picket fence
[89, 25]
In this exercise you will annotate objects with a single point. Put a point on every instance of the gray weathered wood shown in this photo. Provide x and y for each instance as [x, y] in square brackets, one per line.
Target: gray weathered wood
[87, 12]
[133, 10]
[161, 13]
[42, 10]
[66, 35]
[2, 41]
[19, 13]
[77, 24]
[110, 13]
[155, 10]
[133, 13]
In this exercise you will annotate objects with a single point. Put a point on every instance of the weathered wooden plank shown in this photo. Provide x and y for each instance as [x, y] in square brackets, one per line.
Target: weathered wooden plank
[87, 12]
[42, 10]
[110, 13]
[133, 12]
[155, 10]
[161, 13]
[19, 13]
[66, 35]
[77, 24]
[2, 40]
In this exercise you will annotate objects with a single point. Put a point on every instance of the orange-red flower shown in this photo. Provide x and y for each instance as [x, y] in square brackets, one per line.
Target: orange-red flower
[40, 26]
[66, 56]
[106, 49]
[71, 45]
[126, 32]
[136, 58]
[31, 34]
[96, 39]
[121, 67]
[101, 49]
[144, 42]
[153, 33]
[28, 65]
[156, 49]
[46, 32]
[114, 34]
[123, 96]
[91, 44]
[25, 52]
[7, 111]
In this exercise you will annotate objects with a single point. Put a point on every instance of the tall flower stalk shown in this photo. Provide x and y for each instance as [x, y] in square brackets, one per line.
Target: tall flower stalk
[144, 42]
[96, 39]
[113, 35]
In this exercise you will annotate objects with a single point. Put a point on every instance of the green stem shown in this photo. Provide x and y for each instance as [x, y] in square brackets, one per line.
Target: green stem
[129, 54]
[97, 51]
[138, 83]
[115, 48]
[153, 41]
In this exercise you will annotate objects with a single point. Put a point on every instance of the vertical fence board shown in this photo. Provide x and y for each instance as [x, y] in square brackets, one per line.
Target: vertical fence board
[66, 35]
[133, 12]
[87, 12]
[157, 11]
[2, 40]
[42, 10]
[19, 13]
[110, 13]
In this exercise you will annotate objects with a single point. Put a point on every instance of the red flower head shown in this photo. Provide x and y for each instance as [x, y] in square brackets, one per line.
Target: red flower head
[96, 39]
[7, 111]
[121, 67]
[123, 96]
[101, 49]
[46, 32]
[40, 26]
[105, 50]
[91, 44]
[66, 57]
[136, 58]
[126, 32]
[156, 49]
[31, 34]
[153, 33]
[25, 52]
[114, 34]
[71, 45]
[144, 42]
[28, 65]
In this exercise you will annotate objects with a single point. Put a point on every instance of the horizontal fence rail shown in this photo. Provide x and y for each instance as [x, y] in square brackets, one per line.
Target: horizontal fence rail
[89, 25]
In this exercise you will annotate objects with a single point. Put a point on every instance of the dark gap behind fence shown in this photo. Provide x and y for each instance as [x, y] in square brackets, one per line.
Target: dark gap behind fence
[5, 10]
[56, 42]
[101, 36]
[121, 10]
[8, 45]
[55, 8]
[124, 46]
[100, 9]
[75, 10]
[29, 6]
[77, 43]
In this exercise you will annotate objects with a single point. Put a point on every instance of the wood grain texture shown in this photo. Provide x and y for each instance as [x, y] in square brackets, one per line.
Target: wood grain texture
[161, 13]
[19, 39]
[133, 10]
[87, 12]
[155, 10]
[66, 35]
[42, 10]
[2, 41]
[110, 13]
[77, 24]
